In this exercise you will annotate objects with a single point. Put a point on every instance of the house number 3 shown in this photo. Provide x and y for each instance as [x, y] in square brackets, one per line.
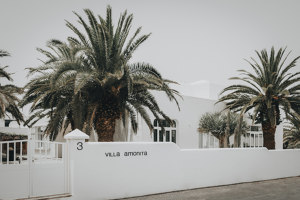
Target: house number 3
[79, 146]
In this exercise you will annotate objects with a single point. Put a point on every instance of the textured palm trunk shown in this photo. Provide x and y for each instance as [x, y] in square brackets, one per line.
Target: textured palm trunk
[78, 108]
[105, 128]
[269, 135]
[106, 116]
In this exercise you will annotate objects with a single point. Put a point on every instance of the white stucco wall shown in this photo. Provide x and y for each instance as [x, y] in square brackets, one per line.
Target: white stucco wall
[34, 179]
[191, 110]
[103, 171]
[279, 137]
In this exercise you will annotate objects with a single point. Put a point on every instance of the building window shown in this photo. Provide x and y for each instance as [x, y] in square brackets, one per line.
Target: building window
[155, 135]
[254, 137]
[169, 134]
[174, 136]
[255, 128]
[7, 122]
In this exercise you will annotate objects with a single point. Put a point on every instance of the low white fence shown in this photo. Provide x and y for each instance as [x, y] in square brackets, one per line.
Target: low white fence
[119, 170]
[16, 151]
[12, 152]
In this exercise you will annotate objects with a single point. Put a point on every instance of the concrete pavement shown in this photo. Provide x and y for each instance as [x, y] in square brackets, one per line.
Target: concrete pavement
[279, 189]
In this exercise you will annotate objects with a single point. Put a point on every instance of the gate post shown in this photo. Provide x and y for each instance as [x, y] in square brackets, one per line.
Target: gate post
[30, 160]
[75, 140]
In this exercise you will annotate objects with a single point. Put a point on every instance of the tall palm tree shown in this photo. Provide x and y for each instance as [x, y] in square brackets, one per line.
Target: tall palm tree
[8, 95]
[113, 85]
[267, 91]
[102, 77]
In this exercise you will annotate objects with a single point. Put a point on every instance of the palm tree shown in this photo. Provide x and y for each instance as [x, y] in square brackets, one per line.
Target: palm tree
[101, 76]
[55, 100]
[291, 136]
[267, 91]
[8, 95]
[113, 85]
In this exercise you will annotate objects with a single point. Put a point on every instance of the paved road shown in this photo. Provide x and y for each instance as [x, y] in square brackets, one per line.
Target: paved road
[279, 189]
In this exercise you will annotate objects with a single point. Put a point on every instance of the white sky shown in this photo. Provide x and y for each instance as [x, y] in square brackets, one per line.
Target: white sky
[190, 41]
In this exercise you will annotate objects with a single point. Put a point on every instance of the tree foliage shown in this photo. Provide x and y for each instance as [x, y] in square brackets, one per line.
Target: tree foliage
[217, 123]
[8, 94]
[271, 87]
[89, 81]
[291, 137]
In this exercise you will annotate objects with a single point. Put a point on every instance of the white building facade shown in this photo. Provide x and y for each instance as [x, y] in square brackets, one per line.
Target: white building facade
[184, 131]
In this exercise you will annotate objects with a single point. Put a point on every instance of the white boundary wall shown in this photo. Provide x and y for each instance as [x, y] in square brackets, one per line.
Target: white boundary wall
[163, 167]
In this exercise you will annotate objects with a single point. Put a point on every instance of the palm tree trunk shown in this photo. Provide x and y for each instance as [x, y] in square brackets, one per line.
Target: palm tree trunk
[78, 109]
[105, 128]
[227, 131]
[105, 119]
[269, 134]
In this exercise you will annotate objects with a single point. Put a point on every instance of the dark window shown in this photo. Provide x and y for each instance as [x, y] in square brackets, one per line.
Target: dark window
[254, 128]
[7, 122]
[167, 124]
[161, 136]
[155, 135]
[155, 122]
[174, 136]
[167, 136]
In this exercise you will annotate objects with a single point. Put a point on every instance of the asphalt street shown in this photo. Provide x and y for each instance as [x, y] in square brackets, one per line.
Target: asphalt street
[279, 189]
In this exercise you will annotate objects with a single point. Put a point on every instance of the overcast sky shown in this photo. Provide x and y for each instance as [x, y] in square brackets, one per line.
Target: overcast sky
[190, 41]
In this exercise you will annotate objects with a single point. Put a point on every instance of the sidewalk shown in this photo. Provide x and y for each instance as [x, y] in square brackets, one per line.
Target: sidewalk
[279, 189]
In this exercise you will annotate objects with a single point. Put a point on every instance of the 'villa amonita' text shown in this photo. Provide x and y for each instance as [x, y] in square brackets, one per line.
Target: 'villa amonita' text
[126, 154]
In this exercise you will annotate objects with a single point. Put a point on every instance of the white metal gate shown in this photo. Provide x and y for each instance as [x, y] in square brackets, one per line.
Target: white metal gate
[31, 168]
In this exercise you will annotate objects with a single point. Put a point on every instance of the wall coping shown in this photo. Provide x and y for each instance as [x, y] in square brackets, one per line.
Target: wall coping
[76, 135]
